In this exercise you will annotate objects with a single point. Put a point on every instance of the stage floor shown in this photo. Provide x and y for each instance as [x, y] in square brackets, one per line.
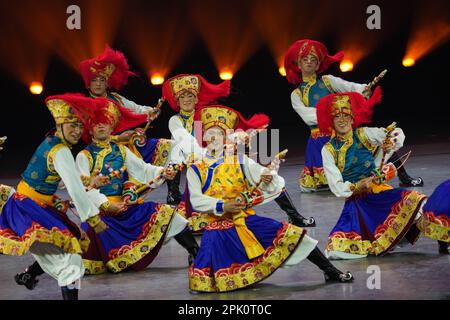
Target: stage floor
[417, 272]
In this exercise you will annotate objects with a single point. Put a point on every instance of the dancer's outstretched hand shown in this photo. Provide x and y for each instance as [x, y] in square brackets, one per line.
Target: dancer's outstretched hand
[233, 206]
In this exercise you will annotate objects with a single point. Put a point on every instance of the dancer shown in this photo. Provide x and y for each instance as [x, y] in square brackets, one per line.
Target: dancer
[375, 217]
[187, 92]
[239, 248]
[103, 76]
[435, 220]
[136, 231]
[305, 60]
[34, 219]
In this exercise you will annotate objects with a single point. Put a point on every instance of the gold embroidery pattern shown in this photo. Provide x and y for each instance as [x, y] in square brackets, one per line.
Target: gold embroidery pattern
[327, 83]
[51, 156]
[386, 235]
[312, 180]
[94, 267]
[4, 194]
[153, 232]
[238, 276]
[435, 227]
[161, 154]
[364, 140]
[11, 244]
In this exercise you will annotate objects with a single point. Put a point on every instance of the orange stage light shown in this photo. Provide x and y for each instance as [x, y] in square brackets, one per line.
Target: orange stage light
[408, 62]
[156, 79]
[346, 66]
[36, 87]
[282, 71]
[226, 75]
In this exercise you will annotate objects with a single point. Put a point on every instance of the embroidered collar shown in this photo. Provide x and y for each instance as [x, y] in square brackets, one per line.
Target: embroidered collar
[101, 144]
[186, 115]
[310, 79]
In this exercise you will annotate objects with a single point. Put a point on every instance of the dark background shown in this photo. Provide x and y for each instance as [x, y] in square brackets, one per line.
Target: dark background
[417, 97]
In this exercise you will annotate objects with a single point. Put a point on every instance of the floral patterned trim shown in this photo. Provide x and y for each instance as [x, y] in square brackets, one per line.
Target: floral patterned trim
[153, 231]
[398, 222]
[435, 227]
[93, 267]
[198, 221]
[364, 140]
[239, 276]
[314, 180]
[348, 242]
[11, 244]
[387, 235]
[161, 153]
[4, 195]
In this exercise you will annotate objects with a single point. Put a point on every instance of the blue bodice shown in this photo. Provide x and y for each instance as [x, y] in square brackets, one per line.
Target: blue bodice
[40, 173]
[113, 156]
[353, 157]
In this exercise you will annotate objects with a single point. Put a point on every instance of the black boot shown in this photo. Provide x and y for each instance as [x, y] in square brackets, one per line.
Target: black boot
[173, 190]
[69, 294]
[405, 179]
[187, 241]
[28, 277]
[331, 272]
[444, 247]
[295, 218]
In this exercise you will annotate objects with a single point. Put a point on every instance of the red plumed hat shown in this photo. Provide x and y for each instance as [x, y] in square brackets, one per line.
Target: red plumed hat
[110, 64]
[352, 103]
[70, 107]
[205, 92]
[302, 48]
[227, 118]
[107, 111]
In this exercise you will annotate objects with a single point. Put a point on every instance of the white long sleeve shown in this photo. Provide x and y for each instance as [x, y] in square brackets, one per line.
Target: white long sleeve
[376, 136]
[334, 176]
[185, 144]
[341, 85]
[84, 168]
[200, 202]
[65, 166]
[136, 108]
[253, 171]
[307, 114]
[142, 171]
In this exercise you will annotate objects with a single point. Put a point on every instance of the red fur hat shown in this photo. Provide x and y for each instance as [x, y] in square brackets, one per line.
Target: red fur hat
[204, 91]
[108, 112]
[302, 48]
[352, 103]
[110, 64]
[70, 107]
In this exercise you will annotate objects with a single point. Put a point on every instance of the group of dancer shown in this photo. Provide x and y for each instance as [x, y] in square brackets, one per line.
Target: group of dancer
[109, 182]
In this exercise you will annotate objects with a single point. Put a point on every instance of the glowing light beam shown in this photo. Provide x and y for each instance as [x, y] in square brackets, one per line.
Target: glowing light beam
[36, 87]
[346, 66]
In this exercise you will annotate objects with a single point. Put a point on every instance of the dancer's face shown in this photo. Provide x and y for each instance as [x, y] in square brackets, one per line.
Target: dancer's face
[187, 101]
[308, 64]
[98, 86]
[102, 131]
[342, 123]
[71, 132]
[215, 139]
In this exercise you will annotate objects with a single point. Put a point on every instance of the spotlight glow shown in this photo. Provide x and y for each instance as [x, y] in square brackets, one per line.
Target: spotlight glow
[36, 87]
[408, 62]
[226, 75]
[346, 66]
[156, 79]
[282, 71]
